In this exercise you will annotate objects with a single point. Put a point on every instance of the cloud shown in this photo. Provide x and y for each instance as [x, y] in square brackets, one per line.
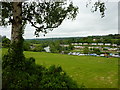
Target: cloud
[86, 23]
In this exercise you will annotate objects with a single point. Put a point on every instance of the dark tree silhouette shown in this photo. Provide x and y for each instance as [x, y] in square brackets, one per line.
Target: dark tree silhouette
[43, 15]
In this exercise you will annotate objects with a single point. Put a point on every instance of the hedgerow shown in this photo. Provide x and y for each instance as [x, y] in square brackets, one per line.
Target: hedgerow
[29, 75]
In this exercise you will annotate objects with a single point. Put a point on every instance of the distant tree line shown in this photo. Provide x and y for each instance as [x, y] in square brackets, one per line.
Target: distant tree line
[111, 38]
[54, 43]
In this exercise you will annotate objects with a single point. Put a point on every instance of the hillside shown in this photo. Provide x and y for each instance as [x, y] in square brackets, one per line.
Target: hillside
[93, 72]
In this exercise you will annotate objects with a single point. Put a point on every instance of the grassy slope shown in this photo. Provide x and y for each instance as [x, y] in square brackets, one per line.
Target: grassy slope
[94, 72]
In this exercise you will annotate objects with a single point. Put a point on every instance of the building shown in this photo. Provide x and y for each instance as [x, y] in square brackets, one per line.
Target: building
[85, 43]
[47, 49]
[90, 47]
[107, 44]
[94, 39]
[74, 43]
[100, 43]
[78, 46]
[32, 47]
[106, 47]
[64, 45]
[114, 44]
[113, 49]
[80, 43]
[93, 43]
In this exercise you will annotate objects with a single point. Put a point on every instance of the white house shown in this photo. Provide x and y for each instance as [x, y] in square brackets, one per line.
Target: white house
[47, 49]
[85, 43]
[100, 44]
[74, 43]
[114, 44]
[94, 39]
[107, 44]
[93, 43]
[32, 46]
[90, 47]
[107, 47]
[78, 47]
[80, 43]
[113, 49]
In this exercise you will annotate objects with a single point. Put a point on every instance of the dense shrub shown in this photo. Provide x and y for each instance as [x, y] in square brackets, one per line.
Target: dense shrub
[26, 46]
[38, 49]
[5, 42]
[34, 76]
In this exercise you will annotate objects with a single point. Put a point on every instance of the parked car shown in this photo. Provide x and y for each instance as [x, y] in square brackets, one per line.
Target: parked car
[77, 53]
[91, 54]
[94, 54]
[81, 54]
[102, 55]
[115, 55]
[74, 53]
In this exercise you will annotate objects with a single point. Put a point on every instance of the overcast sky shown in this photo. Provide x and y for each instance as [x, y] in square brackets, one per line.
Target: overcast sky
[86, 24]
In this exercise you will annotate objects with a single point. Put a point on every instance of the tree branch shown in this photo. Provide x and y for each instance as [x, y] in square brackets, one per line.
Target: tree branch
[42, 27]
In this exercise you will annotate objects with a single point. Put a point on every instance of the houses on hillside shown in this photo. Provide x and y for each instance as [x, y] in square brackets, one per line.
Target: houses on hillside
[92, 46]
[99, 44]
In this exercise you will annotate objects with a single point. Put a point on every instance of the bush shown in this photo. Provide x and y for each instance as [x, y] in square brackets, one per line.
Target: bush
[5, 42]
[55, 77]
[38, 48]
[31, 75]
[26, 46]
[86, 50]
[97, 51]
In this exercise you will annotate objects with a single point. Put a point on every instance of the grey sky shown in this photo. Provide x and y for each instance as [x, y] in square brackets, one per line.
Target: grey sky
[86, 24]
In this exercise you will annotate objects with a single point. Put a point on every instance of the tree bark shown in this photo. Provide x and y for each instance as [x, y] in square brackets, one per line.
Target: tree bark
[17, 22]
[16, 49]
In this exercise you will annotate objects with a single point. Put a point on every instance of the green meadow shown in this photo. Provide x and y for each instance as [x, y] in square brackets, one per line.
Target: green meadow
[93, 72]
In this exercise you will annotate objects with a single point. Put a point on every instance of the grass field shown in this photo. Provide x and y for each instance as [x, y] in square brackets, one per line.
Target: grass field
[93, 72]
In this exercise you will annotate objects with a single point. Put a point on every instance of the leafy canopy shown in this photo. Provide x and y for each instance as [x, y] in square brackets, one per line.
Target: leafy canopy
[43, 15]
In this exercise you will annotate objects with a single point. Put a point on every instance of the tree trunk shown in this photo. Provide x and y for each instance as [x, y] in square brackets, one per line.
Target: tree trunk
[17, 22]
[16, 49]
